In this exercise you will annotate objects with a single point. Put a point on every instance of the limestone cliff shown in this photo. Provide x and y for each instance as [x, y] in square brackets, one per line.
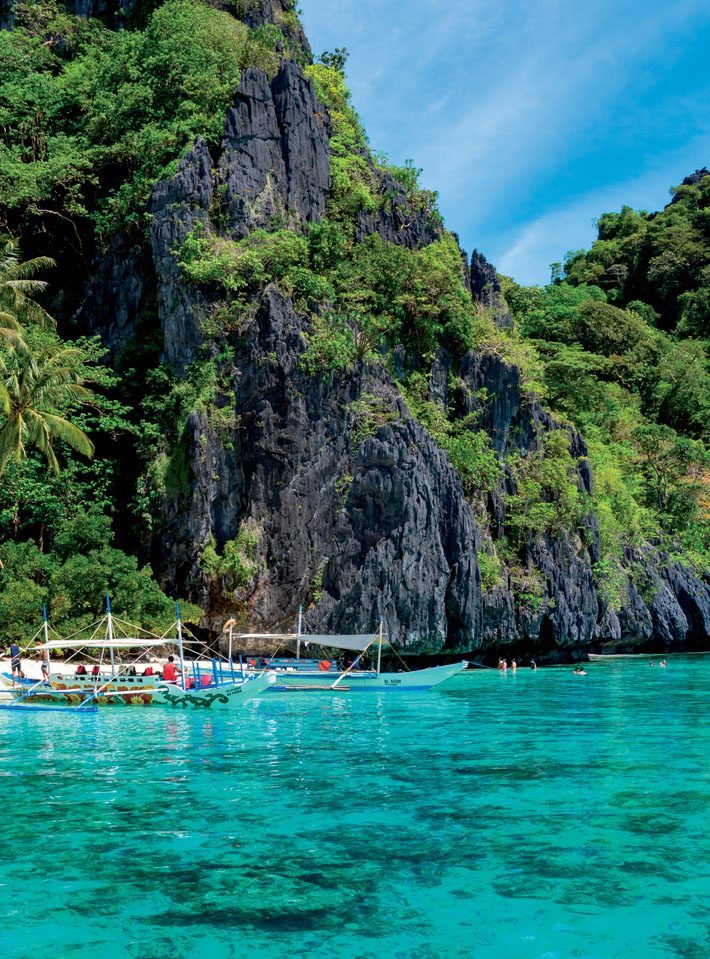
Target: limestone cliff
[352, 507]
[361, 527]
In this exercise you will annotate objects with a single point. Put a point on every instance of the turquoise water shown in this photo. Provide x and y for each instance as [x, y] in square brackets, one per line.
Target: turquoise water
[523, 816]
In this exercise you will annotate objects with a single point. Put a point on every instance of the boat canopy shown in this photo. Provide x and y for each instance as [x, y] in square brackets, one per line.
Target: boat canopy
[97, 643]
[355, 643]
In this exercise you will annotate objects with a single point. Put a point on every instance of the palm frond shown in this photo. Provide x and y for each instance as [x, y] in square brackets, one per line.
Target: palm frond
[26, 287]
[11, 445]
[9, 322]
[68, 433]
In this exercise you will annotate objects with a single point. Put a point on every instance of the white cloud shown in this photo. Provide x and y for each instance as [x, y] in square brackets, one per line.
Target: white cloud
[516, 108]
[527, 252]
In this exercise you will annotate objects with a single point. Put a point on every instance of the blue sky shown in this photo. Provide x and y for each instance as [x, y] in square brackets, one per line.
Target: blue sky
[530, 117]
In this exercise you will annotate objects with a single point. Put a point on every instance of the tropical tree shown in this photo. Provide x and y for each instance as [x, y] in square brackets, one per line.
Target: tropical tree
[36, 392]
[11, 331]
[19, 285]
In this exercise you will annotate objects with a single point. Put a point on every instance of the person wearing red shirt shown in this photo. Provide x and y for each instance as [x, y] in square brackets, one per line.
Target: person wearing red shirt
[170, 670]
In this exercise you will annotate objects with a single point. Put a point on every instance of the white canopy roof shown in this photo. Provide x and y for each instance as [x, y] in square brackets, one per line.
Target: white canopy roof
[104, 643]
[357, 642]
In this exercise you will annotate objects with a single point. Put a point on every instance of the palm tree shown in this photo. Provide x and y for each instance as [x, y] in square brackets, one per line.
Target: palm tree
[11, 331]
[34, 393]
[18, 285]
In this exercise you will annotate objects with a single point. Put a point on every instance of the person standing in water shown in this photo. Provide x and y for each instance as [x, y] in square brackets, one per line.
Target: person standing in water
[514, 665]
[533, 664]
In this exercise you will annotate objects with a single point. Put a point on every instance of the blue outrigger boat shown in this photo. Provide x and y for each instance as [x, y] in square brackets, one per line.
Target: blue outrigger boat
[311, 675]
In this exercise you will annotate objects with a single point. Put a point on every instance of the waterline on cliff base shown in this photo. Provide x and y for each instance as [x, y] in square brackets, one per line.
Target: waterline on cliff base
[530, 815]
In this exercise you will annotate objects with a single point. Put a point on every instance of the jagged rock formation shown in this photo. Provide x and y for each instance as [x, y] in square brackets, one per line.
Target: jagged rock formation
[273, 162]
[255, 13]
[486, 290]
[367, 527]
[394, 219]
[275, 155]
[359, 517]
[178, 206]
[378, 521]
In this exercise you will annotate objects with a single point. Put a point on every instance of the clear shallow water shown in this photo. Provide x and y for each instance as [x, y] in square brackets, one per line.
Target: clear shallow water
[523, 816]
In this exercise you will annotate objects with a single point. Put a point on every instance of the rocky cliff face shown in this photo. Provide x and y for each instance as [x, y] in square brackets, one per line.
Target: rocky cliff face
[256, 13]
[275, 157]
[6, 15]
[362, 525]
[353, 508]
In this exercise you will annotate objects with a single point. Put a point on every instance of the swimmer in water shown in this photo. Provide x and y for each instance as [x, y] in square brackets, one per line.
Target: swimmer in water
[662, 662]
[514, 665]
[533, 664]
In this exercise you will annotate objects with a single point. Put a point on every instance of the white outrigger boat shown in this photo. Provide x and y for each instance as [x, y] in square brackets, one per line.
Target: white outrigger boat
[119, 685]
[310, 675]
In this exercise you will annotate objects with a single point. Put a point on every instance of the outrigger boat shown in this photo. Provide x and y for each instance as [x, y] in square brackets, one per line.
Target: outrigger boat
[310, 675]
[119, 685]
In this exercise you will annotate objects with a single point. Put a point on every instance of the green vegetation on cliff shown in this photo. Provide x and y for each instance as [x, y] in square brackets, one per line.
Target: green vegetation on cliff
[623, 336]
[615, 347]
[91, 117]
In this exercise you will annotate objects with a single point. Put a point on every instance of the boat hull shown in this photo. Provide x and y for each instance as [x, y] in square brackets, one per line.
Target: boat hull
[139, 691]
[227, 695]
[356, 681]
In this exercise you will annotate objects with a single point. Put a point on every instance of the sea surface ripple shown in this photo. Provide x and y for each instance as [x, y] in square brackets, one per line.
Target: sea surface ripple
[532, 816]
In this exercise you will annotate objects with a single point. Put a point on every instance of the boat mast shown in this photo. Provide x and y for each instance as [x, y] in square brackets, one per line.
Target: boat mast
[231, 628]
[46, 636]
[109, 634]
[300, 624]
[379, 647]
[182, 654]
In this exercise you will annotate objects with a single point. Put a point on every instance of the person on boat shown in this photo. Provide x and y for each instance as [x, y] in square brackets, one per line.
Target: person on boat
[148, 671]
[131, 671]
[15, 662]
[96, 670]
[170, 670]
[80, 670]
[44, 666]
